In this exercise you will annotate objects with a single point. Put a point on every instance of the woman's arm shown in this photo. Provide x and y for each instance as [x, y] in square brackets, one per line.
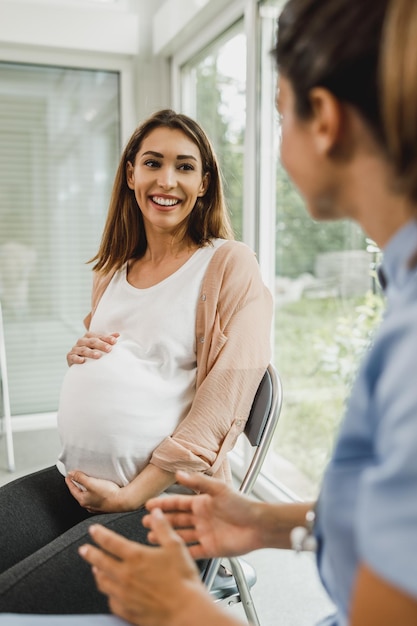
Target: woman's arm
[376, 602]
[103, 496]
[233, 338]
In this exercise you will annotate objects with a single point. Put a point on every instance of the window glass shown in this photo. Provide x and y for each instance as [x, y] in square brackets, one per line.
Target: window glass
[214, 94]
[327, 304]
[59, 147]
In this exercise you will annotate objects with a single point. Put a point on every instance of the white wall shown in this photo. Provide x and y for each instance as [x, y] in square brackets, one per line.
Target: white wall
[86, 27]
[87, 33]
[135, 37]
[152, 73]
[179, 21]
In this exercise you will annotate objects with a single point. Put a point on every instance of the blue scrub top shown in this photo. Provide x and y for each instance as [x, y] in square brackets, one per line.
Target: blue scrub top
[367, 510]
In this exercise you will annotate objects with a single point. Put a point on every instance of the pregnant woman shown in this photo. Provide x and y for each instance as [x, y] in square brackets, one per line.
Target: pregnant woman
[177, 342]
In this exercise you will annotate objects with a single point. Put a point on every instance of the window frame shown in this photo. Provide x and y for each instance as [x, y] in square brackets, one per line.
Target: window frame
[30, 55]
[86, 61]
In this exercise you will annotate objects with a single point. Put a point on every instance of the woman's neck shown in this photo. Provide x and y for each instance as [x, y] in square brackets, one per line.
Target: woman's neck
[374, 202]
[161, 248]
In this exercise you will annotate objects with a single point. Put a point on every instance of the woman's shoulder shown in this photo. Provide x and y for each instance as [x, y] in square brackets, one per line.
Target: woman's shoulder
[235, 263]
[101, 281]
[231, 250]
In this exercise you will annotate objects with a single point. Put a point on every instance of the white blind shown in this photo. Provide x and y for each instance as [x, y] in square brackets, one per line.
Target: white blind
[59, 149]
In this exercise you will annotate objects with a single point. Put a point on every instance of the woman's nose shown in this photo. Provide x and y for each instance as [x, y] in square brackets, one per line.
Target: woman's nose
[167, 178]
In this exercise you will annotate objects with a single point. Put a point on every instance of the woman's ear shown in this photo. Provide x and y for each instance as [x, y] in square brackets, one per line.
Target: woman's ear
[327, 120]
[129, 175]
[204, 185]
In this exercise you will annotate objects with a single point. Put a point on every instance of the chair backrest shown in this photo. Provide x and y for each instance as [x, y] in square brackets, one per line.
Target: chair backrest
[259, 430]
[261, 424]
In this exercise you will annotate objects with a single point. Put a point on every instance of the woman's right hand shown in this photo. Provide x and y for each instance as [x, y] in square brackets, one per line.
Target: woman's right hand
[217, 522]
[91, 346]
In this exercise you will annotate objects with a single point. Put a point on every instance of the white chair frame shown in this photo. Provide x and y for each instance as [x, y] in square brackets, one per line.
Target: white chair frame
[7, 417]
[260, 428]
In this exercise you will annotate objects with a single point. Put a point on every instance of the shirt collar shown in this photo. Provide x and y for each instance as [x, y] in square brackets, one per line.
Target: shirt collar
[394, 269]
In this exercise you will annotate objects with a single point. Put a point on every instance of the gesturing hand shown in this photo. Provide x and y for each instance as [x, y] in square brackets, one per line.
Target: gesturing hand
[146, 585]
[217, 522]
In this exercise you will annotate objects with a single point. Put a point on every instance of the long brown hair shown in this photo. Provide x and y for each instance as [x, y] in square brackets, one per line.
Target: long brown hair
[124, 235]
[399, 90]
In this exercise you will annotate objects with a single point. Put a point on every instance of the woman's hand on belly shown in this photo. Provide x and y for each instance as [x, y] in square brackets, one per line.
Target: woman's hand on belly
[95, 494]
[91, 346]
[104, 496]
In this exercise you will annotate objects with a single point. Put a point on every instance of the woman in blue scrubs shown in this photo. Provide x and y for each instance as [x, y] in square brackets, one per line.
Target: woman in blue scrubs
[347, 97]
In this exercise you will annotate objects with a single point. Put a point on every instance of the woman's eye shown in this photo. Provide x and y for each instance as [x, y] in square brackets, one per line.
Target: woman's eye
[186, 166]
[152, 163]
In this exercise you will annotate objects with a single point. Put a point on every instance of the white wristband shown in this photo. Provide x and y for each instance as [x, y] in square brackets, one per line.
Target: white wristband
[302, 538]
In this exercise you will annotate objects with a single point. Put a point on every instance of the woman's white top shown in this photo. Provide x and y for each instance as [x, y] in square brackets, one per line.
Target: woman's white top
[115, 410]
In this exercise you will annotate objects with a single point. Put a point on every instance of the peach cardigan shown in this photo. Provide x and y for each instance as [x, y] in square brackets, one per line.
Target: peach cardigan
[233, 342]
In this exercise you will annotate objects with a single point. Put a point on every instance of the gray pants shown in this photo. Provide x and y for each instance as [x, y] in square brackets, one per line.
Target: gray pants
[41, 527]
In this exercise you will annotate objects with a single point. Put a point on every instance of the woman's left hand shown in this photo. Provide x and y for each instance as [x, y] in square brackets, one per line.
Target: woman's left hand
[94, 494]
[151, 586]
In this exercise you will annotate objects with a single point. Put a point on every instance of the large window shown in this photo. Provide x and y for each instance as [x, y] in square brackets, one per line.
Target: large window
[326, 305]
[59, 147]
[214, 94]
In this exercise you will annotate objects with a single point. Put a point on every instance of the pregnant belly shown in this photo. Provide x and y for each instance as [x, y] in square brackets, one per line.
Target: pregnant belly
[118, 407]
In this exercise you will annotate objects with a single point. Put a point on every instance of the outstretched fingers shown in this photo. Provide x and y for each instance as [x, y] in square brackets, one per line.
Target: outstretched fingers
[187, 535]
[200, 483]
[177, 519]
[170, 504]
[197, 482]
[162, 529]
[116, 547]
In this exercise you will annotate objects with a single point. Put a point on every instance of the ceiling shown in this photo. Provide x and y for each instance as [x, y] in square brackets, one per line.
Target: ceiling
[124, 26]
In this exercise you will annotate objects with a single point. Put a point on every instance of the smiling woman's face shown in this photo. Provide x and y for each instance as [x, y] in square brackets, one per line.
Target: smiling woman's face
[167, 178]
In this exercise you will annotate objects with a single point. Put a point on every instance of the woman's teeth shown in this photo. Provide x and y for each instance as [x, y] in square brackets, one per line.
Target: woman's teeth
[164, 201]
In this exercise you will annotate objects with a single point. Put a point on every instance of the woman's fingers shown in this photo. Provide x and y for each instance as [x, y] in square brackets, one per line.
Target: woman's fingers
[200, 483]
[91, 346]
[188, 535]
[197, 482]
[116, 547]
[177, 518]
